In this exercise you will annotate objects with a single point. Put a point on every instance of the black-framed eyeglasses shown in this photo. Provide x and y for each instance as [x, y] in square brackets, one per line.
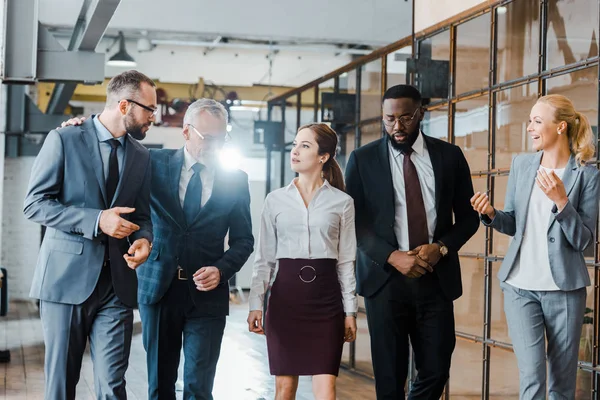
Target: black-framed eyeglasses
[404, 121]
[154, 111]
[221, 138]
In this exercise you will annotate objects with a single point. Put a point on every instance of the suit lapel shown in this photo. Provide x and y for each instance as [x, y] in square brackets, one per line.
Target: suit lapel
[525, 185]
[129, 161]
[90, 138]
[383, 170]
[437, 163]
[214, 196]
[175, 165]
[569, 178]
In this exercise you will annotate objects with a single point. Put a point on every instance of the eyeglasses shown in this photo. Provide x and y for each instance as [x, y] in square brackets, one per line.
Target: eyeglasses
[220, 139]
[404, 121]
[154, 111]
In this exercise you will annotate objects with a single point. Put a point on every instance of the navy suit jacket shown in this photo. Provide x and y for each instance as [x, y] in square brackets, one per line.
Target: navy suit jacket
[201, 243]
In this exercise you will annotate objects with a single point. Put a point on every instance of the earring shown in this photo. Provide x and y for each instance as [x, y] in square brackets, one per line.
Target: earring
[559, 131]
[321, 161]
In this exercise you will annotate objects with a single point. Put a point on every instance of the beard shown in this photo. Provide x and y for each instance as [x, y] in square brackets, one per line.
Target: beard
[135, 129]
[410, 140]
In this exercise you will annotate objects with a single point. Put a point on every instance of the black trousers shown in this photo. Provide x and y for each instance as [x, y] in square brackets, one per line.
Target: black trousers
[417, 309]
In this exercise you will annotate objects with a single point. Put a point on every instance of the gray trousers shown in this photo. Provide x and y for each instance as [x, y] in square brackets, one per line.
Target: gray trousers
[107, 323]
[534, 317]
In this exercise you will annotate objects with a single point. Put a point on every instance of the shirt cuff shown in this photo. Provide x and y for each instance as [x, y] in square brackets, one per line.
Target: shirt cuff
[97, 227]
[255, 304]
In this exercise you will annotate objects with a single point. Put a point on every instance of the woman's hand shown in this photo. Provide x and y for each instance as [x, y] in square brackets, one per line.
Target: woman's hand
[350, 329]
[481, 204]
[553, 187]
[255, 322]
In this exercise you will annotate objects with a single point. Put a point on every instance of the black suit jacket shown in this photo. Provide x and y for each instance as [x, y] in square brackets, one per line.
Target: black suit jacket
[369, 182]
[200, 243]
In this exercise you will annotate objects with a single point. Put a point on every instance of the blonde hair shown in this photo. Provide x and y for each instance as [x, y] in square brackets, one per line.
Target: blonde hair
[579, 131]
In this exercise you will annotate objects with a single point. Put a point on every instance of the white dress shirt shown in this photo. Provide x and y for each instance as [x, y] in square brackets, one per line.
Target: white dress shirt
[419, 157]
[289, 229]
[532, 268]
[206, 174]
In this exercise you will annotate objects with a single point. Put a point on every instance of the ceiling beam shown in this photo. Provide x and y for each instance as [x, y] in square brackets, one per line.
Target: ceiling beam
[88, 31]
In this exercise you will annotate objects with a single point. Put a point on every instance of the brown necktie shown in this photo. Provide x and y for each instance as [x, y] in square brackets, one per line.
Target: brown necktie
[415, 208]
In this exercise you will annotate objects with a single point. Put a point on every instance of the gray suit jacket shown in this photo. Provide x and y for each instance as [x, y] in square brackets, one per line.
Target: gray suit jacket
[570, 231]
[66, 192]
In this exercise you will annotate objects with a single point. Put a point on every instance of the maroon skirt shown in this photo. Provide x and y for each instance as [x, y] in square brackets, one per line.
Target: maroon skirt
[305, 319]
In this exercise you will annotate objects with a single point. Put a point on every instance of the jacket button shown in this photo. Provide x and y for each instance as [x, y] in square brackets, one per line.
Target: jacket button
[551, 240]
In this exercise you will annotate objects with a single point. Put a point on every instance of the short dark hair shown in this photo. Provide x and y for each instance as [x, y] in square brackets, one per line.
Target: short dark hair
[126, 84]
[403, 92]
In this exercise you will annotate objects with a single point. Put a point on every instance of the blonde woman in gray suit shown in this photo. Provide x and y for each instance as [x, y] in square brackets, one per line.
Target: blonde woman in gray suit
[551, 209]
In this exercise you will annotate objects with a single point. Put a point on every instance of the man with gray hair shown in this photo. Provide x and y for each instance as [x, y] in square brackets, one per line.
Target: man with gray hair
[90, 187]
[183, 287]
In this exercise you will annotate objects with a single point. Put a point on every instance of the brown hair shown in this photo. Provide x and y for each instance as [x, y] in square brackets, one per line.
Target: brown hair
[579, 132]
[126, 84]
[327, 141]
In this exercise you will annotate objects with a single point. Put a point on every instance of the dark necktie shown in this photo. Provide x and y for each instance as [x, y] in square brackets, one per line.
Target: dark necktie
[112, 181]
[415, 208]
[193, 195]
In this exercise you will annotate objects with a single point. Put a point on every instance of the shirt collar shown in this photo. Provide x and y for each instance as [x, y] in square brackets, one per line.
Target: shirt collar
[418, 146]
[188, 160]
[292, 185]
[104, 134]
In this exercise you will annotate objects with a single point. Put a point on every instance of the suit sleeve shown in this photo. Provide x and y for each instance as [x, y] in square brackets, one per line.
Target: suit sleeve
[141, 216]
[375, 247]
[504, 220]
[466, 220]
[241, 241]
[42, 204]
[578, 224]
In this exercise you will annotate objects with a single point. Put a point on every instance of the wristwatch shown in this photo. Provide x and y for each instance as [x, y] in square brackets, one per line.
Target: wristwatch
[443, 248]
[350, 314]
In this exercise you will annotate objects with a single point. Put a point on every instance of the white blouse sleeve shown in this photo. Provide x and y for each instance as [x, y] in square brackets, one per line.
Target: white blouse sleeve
[264, 260]
[346, 257]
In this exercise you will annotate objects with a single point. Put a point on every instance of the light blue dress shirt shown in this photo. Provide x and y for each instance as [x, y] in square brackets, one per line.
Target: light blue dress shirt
[104, 136]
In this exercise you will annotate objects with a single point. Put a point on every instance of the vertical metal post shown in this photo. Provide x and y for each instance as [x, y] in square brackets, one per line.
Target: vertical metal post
[542, 53]
[357, 132]
[282, 151]
[269, 157]
[316, 105]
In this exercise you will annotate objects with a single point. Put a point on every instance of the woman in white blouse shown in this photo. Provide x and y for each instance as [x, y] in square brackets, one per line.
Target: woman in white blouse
[551, 210]
[307, 232]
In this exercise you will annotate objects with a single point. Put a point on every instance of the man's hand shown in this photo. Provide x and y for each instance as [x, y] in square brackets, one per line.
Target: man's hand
[429, 253]
[255, 322]
[408, 264]
[139, 250]
[72, 122]
[207, 278]
[113, 225]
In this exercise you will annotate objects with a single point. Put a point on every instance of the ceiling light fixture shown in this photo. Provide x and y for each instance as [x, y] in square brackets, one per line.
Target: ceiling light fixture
[121, 58]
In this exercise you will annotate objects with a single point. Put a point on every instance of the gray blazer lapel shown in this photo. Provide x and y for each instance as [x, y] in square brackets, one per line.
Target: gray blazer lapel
[129, 160]
[525, 187]
[175, 165]
[89, 137]
[569, 179]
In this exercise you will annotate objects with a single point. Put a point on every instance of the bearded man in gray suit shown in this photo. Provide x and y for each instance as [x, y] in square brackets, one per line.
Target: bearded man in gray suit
[90, 187]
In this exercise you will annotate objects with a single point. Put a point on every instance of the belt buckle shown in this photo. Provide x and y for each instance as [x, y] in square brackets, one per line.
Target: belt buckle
[181, 277]
[300, 274]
